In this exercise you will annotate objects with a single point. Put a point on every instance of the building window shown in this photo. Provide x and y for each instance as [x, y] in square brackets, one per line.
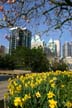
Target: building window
[20, 43]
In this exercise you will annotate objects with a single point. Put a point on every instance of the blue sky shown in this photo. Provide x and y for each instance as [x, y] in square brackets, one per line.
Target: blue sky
[65, 36]
[55, 34]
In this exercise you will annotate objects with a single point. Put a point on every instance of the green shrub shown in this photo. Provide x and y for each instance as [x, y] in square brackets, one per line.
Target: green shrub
[59, 65]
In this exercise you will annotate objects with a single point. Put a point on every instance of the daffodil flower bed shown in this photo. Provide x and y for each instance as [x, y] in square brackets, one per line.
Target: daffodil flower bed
[41, 90]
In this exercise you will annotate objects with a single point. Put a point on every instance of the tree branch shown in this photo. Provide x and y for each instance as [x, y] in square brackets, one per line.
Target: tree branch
[49, 10]
[62, 23]
[68, 2]
[63, 3]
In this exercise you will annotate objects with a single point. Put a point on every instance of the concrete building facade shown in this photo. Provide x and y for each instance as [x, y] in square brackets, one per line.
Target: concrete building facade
[58, 47]
[67, 49]
[37, 42]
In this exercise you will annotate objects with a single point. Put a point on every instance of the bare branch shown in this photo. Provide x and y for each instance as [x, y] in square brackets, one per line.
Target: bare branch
[68, 2]
[49, 10]
[63, 3]
[62, 23]
[35, 13]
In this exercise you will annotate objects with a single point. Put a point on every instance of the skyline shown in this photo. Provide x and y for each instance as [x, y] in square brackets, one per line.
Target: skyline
[56, 35]
[66, 36]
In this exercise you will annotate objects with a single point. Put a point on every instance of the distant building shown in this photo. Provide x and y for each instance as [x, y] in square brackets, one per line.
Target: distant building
[52, 46]
[6, 50]
[37, 42]
[67, 49]
[52, 49]
[68, 60]
[48, 53]
[55, 48]
[71, 47]
[2, 49]
[58, 47]
[19, 37]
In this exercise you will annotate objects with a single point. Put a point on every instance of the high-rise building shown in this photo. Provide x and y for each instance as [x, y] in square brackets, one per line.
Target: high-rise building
[54, 46]
[19, 37]
[71, 48]
[51, 45]
[58, 47]
[67, 49]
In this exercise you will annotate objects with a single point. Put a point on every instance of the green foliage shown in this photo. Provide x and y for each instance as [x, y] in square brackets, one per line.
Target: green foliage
[39, 61]
[59, 65]
[30, 59]
[33, 59]
[7, 62]
[19, 57]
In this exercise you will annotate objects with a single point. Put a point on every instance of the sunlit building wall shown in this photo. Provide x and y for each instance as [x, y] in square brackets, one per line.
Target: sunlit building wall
[37, 42]
[67, 49]
[58, 47]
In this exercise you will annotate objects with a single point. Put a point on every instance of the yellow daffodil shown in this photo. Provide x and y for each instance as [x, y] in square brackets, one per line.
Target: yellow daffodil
[52, 103]
[38, 94]
[68, 104]
[62, 86]
[17, 101]
[26, 97]
[54, 78]
[50, 94]
[51, 81]
[18, 88]
[15, 83]
[53, 85]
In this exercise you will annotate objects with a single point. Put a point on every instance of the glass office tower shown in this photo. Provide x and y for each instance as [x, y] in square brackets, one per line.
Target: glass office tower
[19, 37]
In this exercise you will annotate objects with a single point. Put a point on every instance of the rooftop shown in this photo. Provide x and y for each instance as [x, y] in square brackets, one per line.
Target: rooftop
[13, 28]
